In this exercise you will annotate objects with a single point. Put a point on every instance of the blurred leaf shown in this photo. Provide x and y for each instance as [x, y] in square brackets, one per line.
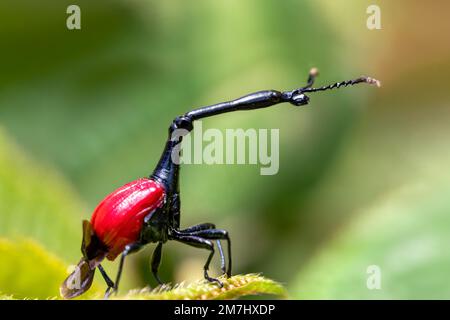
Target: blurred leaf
[28, 271]
[37, 203]
[109, 102]
[233, 288]
[405, 234]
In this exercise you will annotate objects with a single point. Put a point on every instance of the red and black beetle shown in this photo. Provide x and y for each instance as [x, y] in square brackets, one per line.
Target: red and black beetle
[147, 210]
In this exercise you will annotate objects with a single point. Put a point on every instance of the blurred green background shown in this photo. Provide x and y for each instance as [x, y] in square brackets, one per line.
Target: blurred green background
[363, 176]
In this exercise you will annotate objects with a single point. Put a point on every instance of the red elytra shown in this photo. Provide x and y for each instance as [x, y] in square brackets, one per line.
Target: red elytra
[118, 219]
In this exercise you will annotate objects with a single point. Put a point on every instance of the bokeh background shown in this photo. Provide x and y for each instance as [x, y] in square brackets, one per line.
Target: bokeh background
[364, 172]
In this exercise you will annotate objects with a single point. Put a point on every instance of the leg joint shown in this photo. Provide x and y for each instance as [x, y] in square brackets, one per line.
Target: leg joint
[181, 122]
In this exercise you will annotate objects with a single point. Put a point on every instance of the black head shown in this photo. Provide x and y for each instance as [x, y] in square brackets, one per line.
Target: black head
[299, 99]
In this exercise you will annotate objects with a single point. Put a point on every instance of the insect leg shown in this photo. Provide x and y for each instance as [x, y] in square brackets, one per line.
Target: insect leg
[222, 257]
[156, 260]
[128, 250]
[217, 234]
[198, 227]
[199, 242]
[108, 280]
[207, 226]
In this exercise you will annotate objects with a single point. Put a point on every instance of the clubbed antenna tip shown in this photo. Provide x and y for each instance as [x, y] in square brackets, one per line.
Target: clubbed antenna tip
[314, 72]
[373, 81]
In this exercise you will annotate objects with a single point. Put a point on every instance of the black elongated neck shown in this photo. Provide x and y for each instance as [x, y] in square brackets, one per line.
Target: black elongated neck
[167, 171]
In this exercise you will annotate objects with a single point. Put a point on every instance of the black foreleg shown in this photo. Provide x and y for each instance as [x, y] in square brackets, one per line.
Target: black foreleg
[128, 250]
[108, 280]
[198, 227]
[199, 242]
[217, 234]
[156, 261]
[208, 226]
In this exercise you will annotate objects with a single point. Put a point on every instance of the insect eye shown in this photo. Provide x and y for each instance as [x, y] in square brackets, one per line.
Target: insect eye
[300, 99]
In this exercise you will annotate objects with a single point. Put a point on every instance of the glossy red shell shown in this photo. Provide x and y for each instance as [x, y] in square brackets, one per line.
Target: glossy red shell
[118, 219]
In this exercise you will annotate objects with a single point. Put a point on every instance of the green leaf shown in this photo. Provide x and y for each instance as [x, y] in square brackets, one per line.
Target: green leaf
[28, 271]
[31, 272]
[36, 202]
[405, 234]
[39, 205]
[233, 288]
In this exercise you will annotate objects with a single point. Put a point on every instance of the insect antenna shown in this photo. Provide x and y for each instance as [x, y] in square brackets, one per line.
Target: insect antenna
[336, 85]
